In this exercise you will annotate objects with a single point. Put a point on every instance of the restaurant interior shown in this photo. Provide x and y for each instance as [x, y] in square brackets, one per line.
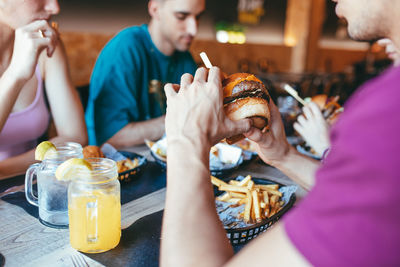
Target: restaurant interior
[300, 44]
[292, 41]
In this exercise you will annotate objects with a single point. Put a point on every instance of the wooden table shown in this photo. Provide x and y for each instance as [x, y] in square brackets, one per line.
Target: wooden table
[24, 241]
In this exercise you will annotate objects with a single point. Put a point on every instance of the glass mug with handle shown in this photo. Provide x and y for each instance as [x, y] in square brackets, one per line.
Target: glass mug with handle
[94, 207]
[52, 197]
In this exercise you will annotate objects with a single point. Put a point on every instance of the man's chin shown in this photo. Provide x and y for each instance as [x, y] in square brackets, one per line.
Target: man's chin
[361, 35]
[183, 47]
[360, 38]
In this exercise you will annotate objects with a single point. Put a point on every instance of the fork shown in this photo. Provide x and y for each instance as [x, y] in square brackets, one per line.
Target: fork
[78, 260]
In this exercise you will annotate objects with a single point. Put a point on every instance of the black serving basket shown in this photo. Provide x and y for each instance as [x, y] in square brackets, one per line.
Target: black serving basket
[132, 174]
[243, 235]
[214, 172]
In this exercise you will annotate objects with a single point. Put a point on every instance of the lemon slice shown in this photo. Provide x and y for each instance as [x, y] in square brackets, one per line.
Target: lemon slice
[45, 150]
[71, 168]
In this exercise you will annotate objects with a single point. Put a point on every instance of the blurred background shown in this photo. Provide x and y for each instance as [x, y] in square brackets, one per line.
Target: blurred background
[299, 42]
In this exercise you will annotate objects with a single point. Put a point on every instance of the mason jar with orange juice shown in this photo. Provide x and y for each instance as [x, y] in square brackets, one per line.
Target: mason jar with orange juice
[94, 205]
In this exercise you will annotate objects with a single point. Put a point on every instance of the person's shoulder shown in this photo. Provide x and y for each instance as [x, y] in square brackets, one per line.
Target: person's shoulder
[128, 39]
[378, 95]
[370, 116]
[390, 73]
[388, 79]
[124, 49]
[133, 32]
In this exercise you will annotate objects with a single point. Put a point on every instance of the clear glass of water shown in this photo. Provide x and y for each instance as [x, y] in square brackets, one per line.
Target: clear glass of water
[52, 197]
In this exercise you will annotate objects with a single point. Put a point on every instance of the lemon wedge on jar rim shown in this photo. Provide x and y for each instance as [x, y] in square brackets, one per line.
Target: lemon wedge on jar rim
[71, 168]
[45, 150]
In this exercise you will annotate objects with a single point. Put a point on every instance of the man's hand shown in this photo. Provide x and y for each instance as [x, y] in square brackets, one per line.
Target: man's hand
[272, 145]
[195, 111]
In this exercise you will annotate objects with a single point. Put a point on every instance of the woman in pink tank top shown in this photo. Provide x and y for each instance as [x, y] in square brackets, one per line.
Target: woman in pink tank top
[23, 128]
[30, 48]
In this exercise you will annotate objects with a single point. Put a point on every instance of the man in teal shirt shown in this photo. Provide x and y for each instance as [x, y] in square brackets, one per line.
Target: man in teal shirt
[126, 97]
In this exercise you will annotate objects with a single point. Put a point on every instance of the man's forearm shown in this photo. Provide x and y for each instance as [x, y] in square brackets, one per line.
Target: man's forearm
[299, 168]
[191, 228]
[136, 132]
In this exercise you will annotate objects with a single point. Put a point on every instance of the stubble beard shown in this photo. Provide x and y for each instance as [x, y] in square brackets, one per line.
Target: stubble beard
[371, 24]
[364, 31]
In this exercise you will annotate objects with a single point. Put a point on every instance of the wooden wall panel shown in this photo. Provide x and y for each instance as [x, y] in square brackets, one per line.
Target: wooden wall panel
[227, 56]
[336, 60]
[297, 32]
[316, 23]
[82, 51]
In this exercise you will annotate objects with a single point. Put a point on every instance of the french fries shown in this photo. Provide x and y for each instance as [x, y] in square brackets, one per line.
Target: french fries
[261, 201]
[217, 182]
[127, 164]
[233, 188]
[256, 204]
[247, 208]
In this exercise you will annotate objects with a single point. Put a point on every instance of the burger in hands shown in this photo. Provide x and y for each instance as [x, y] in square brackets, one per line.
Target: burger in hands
[329, 107]
[245, 96]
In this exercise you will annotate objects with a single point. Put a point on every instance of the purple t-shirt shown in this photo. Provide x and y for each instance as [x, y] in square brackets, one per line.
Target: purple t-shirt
[352, 216]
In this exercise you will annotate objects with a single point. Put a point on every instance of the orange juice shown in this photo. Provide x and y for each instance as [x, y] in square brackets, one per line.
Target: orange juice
[94, 221]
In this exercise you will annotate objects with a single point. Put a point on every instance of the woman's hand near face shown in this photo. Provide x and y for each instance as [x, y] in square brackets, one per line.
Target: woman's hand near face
[30, 41]
[195, 111]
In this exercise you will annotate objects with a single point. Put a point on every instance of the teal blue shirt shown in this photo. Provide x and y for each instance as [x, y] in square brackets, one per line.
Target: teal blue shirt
[127, 83]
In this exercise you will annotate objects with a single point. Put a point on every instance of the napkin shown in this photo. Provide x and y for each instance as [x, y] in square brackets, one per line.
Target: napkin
[110, 152]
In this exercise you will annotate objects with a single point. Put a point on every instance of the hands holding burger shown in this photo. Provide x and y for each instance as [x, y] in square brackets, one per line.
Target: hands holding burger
[195, 111]
[203, 110]
[245, 96]
[200, 113]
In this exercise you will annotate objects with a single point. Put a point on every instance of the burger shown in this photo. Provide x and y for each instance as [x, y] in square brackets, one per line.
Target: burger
[329, 107]
[245, 96]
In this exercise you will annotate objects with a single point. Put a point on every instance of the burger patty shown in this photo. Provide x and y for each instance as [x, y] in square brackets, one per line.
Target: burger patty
[259, 93]
[247, 86]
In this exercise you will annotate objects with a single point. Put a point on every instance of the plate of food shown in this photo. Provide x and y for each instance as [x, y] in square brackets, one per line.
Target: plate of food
[131, 167]
[248, 206]
[129, 164]
[223, 158]
[158, 151]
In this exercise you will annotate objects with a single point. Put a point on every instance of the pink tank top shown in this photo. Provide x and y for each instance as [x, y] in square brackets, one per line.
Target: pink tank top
[23, 128]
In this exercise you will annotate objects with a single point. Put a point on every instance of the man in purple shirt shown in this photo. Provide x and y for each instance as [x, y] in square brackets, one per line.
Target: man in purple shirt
[350, 216]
